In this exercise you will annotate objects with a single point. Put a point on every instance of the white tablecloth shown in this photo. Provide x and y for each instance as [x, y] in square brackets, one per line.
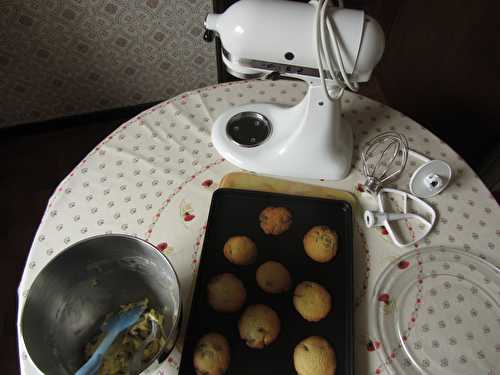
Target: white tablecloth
[153, 178]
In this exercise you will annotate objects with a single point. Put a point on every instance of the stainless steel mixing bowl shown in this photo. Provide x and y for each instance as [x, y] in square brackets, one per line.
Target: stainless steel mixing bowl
[71, 296]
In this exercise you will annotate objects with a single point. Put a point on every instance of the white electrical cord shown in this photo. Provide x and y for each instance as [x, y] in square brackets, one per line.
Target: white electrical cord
[333, 61]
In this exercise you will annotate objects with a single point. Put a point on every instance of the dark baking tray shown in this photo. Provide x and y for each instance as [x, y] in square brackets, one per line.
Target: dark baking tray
[236, 212]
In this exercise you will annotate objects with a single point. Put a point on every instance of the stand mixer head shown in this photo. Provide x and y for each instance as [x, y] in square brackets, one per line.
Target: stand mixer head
[278, 37]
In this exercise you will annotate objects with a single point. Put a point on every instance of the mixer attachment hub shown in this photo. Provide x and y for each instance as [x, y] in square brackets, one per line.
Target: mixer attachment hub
[248, 129]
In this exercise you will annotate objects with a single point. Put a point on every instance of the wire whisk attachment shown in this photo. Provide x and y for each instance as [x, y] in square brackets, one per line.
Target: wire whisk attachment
[389, 151]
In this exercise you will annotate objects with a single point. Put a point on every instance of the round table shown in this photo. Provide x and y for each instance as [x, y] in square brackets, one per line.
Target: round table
[153, 178]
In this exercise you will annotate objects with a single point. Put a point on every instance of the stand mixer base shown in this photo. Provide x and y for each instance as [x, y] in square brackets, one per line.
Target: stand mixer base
[308, 140]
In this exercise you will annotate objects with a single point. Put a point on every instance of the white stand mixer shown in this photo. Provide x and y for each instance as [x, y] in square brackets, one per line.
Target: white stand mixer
[308, 140]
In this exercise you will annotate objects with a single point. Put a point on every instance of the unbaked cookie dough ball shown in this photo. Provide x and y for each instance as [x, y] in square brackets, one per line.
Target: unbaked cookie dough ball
[312, 301]
[211, 355]
[226, 293]
[259, 326]
[320, 243]
[240, 250]
[273, 277]
[275, 220]
[314, 356]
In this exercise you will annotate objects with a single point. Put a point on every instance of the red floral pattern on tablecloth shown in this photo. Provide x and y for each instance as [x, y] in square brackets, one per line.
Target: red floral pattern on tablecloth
[123, 186]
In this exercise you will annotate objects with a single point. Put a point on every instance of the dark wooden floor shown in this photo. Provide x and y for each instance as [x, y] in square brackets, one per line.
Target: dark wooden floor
[34, 159]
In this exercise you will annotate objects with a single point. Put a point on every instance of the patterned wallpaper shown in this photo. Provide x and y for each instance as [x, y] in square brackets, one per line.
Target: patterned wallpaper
[65, 57]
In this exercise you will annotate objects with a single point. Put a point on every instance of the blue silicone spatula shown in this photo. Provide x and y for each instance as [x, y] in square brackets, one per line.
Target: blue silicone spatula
[113, 327]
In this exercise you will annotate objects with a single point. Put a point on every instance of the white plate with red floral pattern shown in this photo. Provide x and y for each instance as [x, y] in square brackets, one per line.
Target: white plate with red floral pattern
[437, 311]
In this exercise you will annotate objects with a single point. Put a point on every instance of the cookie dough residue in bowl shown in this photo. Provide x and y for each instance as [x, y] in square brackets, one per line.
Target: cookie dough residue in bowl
[118, 357]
